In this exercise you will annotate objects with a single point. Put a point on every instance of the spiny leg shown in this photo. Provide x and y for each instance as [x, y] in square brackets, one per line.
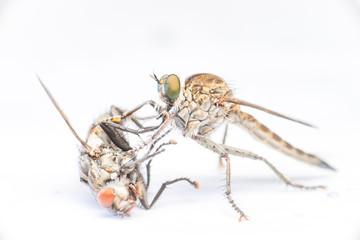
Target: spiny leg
[149, 162]
[244, 153]
[118, 113]
[228, 191]
[159, 148]
[223, 142]
[166, 120]
[152, 103]
[148, 118]
[114, 128]
[209, 144]
[121, 115]
[162, 188]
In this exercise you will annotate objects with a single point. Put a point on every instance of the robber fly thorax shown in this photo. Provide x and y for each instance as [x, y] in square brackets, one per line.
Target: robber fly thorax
[199, 108]
[204, 103]
[111, 167]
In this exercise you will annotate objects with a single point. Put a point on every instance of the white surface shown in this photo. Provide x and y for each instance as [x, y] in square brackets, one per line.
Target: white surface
[301, 58]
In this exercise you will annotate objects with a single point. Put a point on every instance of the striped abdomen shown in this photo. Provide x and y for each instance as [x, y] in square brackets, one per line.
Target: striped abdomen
[265, 135]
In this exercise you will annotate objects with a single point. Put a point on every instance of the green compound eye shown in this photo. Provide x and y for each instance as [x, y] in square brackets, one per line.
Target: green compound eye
[169, 88]
[172, 87]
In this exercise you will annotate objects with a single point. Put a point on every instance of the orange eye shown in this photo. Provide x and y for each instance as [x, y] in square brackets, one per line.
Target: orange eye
[106, 197]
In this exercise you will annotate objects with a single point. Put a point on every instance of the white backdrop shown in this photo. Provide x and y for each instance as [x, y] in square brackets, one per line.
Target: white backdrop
[301, 58]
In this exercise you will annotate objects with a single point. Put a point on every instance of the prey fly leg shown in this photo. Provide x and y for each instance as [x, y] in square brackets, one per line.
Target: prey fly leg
[110, 165]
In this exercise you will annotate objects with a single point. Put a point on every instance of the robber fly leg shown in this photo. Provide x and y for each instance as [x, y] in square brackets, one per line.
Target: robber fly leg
[119, 115]
[157, 149]
[223, 142]
[228, 191]
[152, 103]
[286, 180]
[208, 143]
[166, 119]
[248, 154]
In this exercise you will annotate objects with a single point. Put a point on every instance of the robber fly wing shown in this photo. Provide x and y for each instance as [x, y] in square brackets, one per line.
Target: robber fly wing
[247, 104]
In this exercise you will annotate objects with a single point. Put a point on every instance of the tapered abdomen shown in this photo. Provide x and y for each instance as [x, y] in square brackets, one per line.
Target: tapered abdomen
[265, 135]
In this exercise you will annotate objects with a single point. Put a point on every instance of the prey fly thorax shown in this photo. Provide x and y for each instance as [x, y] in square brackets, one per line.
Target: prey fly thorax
[110, 166]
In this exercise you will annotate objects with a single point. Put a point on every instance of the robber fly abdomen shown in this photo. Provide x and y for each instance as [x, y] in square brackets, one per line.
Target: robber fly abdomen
[205, 103]
[208, 102]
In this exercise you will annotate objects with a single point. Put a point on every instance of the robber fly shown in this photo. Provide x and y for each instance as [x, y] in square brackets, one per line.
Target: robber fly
[204, 104]
[111, 167]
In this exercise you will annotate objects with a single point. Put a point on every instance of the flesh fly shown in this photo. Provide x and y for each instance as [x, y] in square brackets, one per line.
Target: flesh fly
[111, 167]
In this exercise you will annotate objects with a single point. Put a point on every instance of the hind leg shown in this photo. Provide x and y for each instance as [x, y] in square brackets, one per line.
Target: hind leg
[209, 144]
[223, 142]
[248, 154]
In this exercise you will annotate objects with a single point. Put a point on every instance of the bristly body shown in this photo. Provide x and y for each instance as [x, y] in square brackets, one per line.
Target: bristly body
[206, 102]
[103, 169]
[110, 166]
[115, 166]
[200, 104]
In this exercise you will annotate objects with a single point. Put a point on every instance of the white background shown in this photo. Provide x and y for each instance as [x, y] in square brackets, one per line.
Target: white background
[301, 58]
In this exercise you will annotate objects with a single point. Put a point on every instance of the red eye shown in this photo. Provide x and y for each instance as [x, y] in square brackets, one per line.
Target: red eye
[106, 197]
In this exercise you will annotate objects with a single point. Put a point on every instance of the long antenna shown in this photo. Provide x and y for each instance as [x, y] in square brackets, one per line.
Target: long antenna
[247, 104]
[63, 115]
[155, 78]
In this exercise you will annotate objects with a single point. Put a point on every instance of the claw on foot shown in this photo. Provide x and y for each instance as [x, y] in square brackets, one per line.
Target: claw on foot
[245, 217]
[221, 164]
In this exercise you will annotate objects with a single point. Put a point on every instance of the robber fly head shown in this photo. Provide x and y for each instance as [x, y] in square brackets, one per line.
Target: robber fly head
[168, 88]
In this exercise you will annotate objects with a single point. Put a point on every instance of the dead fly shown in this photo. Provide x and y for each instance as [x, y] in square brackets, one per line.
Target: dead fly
[110, 166]
[204, 104]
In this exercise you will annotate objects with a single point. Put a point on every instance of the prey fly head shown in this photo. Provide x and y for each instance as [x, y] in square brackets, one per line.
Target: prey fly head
[119, 196]
[104, 164]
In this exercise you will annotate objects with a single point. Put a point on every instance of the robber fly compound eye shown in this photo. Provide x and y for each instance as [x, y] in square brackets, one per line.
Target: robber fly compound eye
[169, 88]
[106, 197]
[172, 87]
